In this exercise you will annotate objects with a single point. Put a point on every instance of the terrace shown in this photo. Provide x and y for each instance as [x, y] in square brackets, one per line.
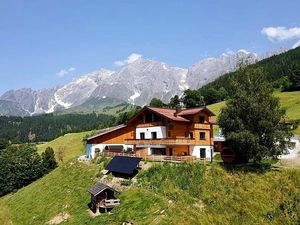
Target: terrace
[161, 141]
[157, 158]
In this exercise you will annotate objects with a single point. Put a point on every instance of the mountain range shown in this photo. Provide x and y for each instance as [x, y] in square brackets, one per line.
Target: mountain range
[136, 83]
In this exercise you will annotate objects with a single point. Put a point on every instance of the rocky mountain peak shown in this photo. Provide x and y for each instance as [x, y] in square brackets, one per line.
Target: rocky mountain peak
[136, 82]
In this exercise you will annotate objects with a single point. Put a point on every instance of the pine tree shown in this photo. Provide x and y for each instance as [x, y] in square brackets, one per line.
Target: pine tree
[48, 159]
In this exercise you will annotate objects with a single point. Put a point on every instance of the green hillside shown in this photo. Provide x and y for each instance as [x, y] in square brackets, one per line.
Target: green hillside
[72, 144]
[109, 106]
[278, 69]
[164, 194]
[289, 100]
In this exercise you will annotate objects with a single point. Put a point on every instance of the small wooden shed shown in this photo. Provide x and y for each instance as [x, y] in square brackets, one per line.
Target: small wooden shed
[103, 197]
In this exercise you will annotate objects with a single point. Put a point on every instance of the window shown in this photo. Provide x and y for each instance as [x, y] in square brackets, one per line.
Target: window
[202, 135]
[191, 136]
[142, 135]
[201, 119]
[171, 151]
[153, 135]
[150, 117]
[202, 153]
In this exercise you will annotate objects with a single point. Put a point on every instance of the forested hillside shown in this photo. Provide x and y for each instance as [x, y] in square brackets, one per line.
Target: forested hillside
[282, 70]
[47, 127]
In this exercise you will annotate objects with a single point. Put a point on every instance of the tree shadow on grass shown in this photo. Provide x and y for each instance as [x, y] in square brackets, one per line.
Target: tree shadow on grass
[251, 167]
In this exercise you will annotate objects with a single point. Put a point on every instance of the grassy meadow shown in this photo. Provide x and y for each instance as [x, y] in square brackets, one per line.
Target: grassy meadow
[72, 144]
[164, 194]
[290, 101]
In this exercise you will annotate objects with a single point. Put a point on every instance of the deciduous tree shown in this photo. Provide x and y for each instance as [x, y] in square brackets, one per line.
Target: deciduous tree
[192, 98]
[156, 102]
[252, 120]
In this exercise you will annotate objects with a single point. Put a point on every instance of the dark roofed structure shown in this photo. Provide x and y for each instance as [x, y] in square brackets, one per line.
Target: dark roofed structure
[124, 165]
[99, 187]
[102, 198]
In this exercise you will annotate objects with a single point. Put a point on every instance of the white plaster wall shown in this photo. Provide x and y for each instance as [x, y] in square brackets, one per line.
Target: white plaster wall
[160, 130]
[196, 151]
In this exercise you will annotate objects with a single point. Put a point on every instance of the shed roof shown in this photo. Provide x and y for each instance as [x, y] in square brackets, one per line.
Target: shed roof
[99, 187]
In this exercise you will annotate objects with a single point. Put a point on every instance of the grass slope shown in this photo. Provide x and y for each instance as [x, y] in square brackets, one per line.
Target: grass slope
[109, 106]
[71, 143]
[289, 100]
[165, 194]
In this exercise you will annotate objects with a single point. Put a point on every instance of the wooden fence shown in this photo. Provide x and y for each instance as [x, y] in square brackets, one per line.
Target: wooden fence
[157, 158]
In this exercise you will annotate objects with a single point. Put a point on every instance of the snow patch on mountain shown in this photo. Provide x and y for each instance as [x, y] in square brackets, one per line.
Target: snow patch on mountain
[133, 97]
[60, 102]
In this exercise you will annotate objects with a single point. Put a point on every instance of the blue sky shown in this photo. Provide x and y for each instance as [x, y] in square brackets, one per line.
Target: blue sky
[49, 42]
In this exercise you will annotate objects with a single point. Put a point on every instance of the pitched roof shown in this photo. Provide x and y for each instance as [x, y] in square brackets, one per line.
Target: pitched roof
[99, 187]
[105, 131]
[193, 111]
[169, 113]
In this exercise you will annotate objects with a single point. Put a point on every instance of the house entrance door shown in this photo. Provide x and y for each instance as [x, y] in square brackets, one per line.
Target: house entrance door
[202, 153]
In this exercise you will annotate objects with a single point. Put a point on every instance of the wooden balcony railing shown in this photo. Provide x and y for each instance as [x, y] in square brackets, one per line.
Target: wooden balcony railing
[162, 141]
[204, 126]
[157, 158]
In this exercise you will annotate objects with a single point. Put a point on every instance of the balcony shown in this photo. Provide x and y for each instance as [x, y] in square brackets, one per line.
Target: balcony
[204, 126]
[162, 141]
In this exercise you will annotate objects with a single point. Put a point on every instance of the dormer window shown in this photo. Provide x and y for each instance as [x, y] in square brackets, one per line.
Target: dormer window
[201, 119]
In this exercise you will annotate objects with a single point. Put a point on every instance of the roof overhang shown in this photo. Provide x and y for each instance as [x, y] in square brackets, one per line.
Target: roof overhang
[106, 131]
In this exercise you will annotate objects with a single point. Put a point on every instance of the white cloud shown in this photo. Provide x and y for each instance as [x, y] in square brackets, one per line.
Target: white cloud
[72, 69]
[64, 72]
[297, 44]
[131, 58]
[281, 33]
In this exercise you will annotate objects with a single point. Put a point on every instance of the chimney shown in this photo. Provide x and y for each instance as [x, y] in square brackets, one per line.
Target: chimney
[177, 110]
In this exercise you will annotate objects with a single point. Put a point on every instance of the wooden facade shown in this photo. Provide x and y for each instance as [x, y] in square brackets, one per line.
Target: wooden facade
[173, 133]
[117, 136]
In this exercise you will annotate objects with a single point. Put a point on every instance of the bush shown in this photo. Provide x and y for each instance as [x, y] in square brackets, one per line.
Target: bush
[103, 160]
